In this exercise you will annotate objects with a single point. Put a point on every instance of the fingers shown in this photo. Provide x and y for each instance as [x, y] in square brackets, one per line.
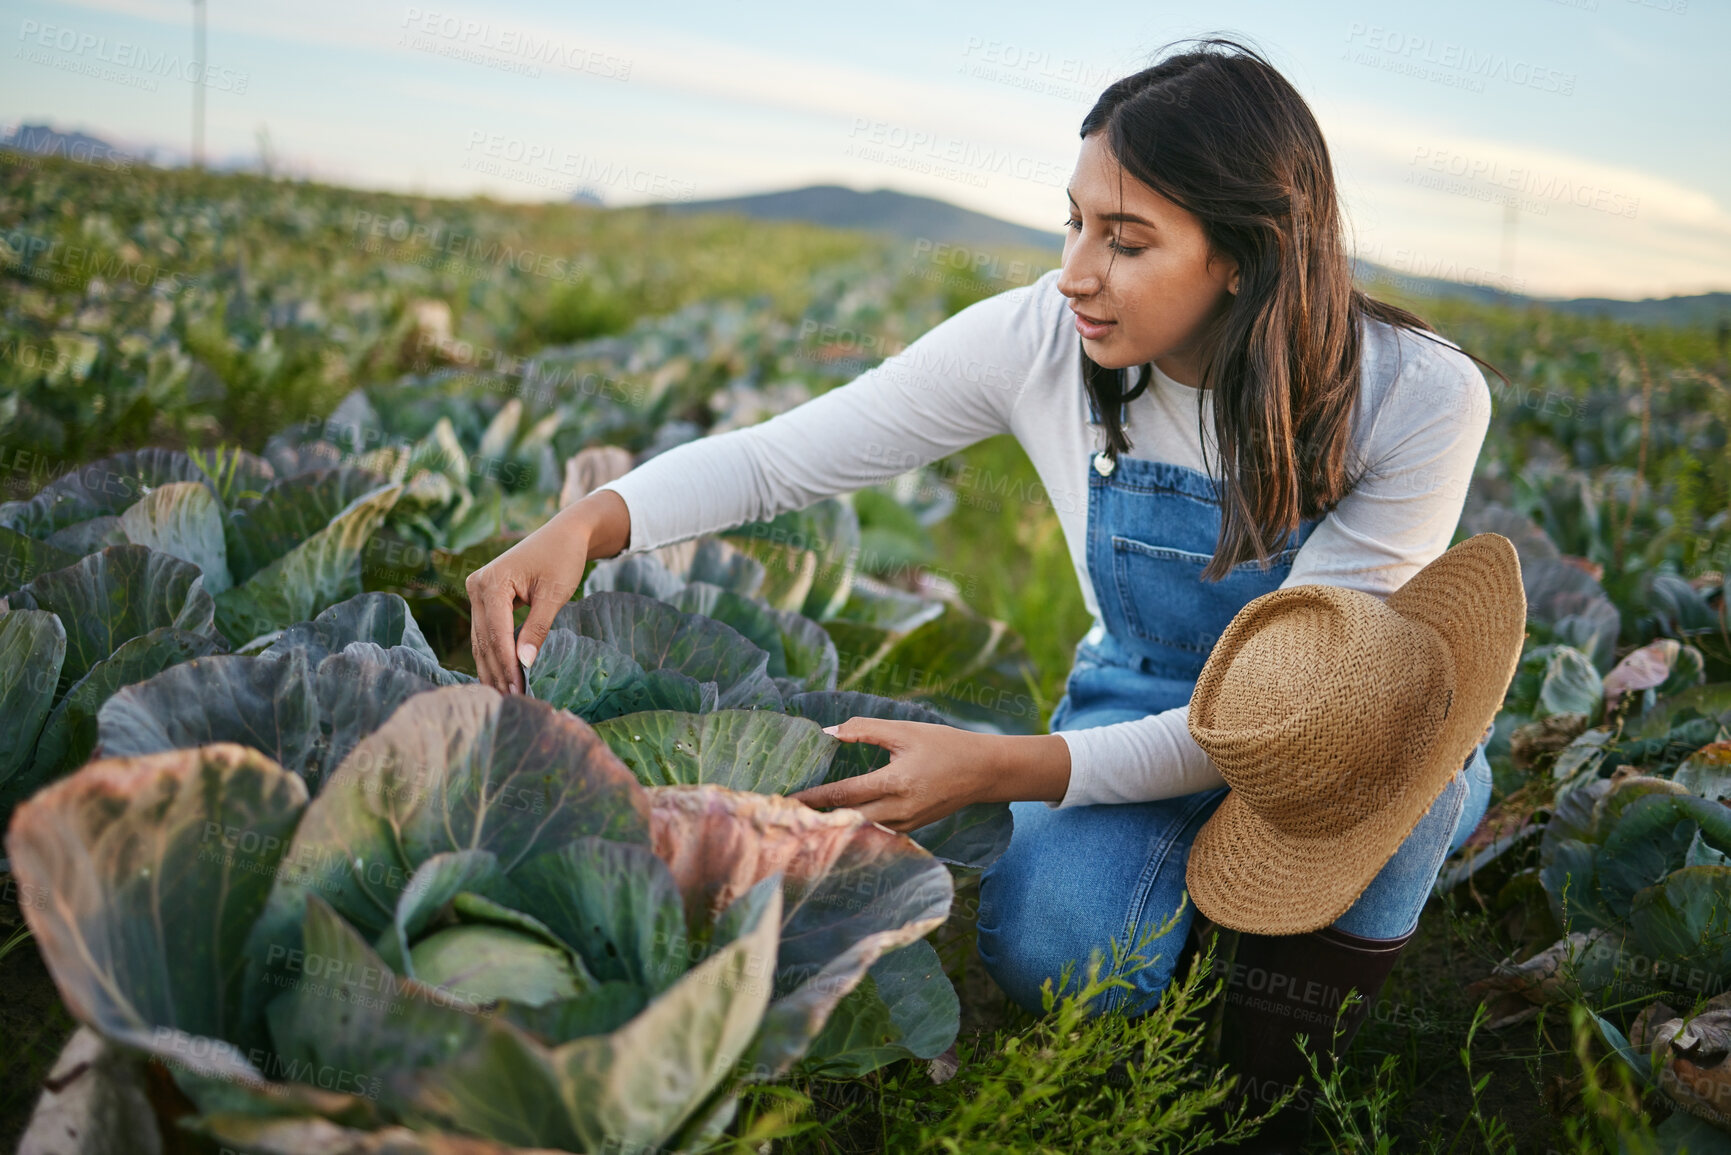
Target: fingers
[877, 731]
[861, 788]
[491, 601]
[544, 606]
[542, 571]
[847, 792]
[879, 796]
[879, 813]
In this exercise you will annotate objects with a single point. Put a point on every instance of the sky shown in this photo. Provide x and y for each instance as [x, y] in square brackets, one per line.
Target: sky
[1548, 147]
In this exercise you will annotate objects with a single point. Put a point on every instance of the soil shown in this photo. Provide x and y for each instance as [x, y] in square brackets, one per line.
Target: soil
[34, 1025]
[1423, 1016]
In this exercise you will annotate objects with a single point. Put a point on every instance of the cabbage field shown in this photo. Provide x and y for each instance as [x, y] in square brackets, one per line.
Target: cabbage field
[281, 877]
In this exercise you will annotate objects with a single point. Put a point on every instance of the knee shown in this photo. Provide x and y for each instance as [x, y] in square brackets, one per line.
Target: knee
[1013, 941]
[1023, 959]
[1025, 941]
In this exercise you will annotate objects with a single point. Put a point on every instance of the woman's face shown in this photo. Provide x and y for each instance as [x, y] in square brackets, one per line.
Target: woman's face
[1163, 288]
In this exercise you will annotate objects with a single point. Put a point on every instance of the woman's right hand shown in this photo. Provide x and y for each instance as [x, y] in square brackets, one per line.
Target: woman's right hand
[542, 572]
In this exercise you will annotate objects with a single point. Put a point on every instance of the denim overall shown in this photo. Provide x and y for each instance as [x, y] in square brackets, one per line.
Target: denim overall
[1074, 879]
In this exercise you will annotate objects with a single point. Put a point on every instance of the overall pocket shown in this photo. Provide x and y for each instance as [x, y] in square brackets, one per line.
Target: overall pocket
[1165, 600]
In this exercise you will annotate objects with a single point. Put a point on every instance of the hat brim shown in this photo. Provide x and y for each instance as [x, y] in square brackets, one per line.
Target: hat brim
[1250, 876]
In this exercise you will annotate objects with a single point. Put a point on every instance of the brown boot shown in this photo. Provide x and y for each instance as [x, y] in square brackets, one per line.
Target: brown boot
[1282, 986]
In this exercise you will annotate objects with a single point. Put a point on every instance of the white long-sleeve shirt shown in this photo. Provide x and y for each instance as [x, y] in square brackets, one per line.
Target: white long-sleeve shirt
[1009, 364]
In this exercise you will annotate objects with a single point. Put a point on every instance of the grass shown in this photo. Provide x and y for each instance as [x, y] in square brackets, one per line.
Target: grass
[1071, 1079]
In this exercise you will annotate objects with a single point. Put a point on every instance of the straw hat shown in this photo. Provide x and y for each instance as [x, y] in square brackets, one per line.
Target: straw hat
[1337, 718]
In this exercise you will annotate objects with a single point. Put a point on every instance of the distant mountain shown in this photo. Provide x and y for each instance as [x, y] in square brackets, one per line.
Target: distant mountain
[42, 140]
[881, 210]
[915, 217]
[45, 140]
[1367, 273]
[1702, 309]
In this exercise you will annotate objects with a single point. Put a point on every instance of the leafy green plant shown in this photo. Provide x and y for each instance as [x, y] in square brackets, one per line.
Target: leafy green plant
[305, 692]
[103, 622]
[132, 565]
[481, 918]
[891, 642]
[1635, 872]
[199, 306]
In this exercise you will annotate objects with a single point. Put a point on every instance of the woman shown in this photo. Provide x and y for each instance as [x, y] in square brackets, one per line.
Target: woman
[1292, 431]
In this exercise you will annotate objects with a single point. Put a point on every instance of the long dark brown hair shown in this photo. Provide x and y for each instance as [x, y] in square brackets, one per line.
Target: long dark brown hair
[1222, 134]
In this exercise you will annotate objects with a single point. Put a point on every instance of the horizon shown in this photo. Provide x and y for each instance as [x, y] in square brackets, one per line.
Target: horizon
[244, 170]
[1556, 157]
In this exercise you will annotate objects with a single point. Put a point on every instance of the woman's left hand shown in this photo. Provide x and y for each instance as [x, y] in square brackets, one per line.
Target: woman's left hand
[934, 771]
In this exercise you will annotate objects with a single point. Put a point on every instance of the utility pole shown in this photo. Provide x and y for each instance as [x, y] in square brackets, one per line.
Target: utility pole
[1511, 218]
[198, 84]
